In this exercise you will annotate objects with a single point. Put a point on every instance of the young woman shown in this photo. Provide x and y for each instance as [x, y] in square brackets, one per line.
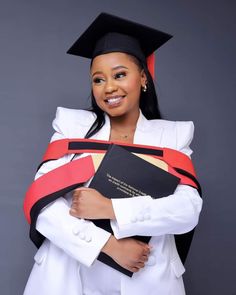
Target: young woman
[125, 110]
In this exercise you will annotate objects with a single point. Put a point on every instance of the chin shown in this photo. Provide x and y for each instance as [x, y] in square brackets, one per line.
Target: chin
[116, 112]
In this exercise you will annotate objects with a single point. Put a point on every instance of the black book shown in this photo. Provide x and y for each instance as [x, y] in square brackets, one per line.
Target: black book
[122, 174]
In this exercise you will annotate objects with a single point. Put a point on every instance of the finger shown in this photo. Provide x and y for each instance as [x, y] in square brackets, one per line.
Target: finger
[74, 205]
[72, 212]
[146, 251]
[80, 189]
[150, 247]
[75, 201]
[144, 258]
[142, 243]
[146, 247]
[75, 197]
[134, 269]
[140, 264]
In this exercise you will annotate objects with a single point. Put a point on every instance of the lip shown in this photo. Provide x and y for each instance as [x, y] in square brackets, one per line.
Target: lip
[114, 100]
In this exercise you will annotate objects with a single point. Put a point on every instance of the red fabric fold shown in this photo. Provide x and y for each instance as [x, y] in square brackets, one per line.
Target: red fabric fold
[75, 172]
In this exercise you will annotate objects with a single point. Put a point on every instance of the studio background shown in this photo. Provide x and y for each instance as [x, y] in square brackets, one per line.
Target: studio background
[195, 80]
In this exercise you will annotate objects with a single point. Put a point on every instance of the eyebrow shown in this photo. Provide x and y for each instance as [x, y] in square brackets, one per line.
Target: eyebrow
[113, 69]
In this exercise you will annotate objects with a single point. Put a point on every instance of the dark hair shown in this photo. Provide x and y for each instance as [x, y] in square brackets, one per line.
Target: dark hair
[148, 101]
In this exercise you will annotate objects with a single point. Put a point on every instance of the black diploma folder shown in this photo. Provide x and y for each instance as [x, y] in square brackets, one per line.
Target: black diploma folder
[122, 174]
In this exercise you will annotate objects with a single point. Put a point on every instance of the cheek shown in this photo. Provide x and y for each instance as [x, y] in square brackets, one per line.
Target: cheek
[96, 92]
[134, 86]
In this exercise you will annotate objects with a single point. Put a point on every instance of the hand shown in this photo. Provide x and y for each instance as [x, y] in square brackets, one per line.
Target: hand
[88, 203]
[128, 253]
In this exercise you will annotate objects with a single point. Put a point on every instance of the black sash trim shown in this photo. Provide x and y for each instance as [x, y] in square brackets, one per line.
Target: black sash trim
[73, 145]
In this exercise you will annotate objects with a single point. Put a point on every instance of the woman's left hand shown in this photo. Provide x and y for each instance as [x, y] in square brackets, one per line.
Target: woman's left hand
[88, 203]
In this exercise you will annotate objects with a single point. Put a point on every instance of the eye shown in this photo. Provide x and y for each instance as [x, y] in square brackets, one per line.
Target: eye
[120, 75]
[97, 80]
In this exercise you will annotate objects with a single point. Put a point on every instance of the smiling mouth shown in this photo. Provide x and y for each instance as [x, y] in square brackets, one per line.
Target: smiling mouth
[115, 100]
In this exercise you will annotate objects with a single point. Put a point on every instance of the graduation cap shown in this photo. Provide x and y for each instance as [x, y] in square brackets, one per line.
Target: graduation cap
[109, 33]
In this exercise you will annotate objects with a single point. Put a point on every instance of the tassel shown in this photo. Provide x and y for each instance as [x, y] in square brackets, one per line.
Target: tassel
[151, 64]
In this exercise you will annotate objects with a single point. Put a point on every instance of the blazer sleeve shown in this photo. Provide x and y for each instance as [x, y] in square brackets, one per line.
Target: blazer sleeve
[175, 214]
[80, 239]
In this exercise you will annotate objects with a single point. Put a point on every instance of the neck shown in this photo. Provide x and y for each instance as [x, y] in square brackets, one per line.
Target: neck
[124, 122]
[123, 128]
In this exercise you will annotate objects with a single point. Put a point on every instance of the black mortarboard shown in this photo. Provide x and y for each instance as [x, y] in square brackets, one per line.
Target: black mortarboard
[109, 33]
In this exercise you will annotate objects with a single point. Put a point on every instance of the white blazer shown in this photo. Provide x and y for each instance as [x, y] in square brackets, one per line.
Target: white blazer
[71, 242]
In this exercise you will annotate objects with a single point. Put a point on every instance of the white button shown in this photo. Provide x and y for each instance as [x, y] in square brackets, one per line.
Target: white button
[82, 235]
[151, 260]
[75, 230]
[88, 239]
[147, 216]
[39, 257]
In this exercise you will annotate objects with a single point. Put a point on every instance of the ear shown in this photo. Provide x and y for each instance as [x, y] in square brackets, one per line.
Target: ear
[143, 78]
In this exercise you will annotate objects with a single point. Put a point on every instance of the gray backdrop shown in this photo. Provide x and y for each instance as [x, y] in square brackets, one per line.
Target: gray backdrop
[195, 81]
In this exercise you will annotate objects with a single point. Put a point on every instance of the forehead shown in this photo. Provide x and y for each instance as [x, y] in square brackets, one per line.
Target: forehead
[112, 60]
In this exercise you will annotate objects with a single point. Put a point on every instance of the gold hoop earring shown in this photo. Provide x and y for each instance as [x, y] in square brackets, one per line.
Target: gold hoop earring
[144, 88]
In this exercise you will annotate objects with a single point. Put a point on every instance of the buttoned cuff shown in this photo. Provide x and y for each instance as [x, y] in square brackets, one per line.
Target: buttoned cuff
[129, 213]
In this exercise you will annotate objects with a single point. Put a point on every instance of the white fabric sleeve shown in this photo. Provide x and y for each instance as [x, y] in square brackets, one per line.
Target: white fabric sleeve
[80, 239]
[175, 214]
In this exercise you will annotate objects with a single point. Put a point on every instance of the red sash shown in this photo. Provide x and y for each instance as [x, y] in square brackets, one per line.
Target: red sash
[61, 147]
[69, 176]
[179, 164]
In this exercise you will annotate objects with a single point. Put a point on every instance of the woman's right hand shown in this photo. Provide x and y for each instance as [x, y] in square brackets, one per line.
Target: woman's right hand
[128, 253]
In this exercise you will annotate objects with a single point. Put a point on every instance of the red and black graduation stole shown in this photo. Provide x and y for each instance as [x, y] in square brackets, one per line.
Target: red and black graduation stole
[69, 176]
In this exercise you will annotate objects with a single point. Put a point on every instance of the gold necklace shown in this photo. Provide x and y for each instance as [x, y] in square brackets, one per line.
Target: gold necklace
[124, 136]
[118, 135]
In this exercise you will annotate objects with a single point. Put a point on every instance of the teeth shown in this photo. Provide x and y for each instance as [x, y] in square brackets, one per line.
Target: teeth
[114, 99]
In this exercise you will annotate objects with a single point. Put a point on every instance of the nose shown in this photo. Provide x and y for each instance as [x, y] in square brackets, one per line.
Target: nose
[111, 86]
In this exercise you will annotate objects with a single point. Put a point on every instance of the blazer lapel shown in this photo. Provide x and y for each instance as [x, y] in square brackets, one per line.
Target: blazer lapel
[146, 133]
